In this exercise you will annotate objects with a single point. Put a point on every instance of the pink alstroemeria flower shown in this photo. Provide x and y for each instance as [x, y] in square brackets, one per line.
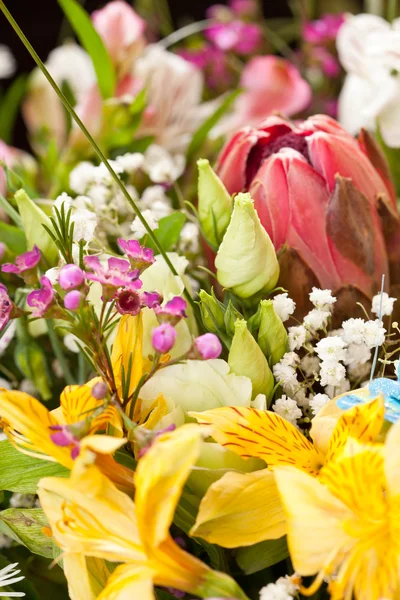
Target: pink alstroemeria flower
[6, 306]
[40, 300]
[117, 274]
[24, 265]
[139, 256]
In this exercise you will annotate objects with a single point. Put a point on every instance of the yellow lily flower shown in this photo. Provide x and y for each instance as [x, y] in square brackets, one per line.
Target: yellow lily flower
[30, 427]
[243, 509]
[89, 516]
[345, 525]
[126, 354]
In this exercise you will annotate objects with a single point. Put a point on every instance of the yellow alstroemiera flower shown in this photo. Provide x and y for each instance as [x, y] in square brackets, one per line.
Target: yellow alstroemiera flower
[90, 517]
[29, 427]
[241, 509]
[345, 526]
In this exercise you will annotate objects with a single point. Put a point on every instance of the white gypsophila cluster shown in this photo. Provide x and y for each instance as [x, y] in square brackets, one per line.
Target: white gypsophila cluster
[7, 62]
[297, 336]
[288, 409]
[283, 306]
[387, 304]
[282, 589]
[137, 227]
[319, 316]
[286, 376]
[161, 166]
[322, 299]
[189, 240]
[331, 351]
[358, 331]
[84, 220]
[155, 199]
[317, 402]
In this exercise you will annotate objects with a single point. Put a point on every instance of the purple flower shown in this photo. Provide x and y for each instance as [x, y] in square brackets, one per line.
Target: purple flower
[73, 300]
[70, 277]
[40, 300]
[24, 263]
[128, 302]
[173, 311]
[243, 38]
[140, 257]
[6, 306]
[64, 437]
[324, 29]
[117, 274]
[163, 338]
[151, 299]
[208, 346]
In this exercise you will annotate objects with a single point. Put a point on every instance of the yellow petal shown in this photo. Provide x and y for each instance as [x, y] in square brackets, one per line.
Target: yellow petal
[102, 444]
[86, 576]
[77, 404]
[127, 349]
[88, 515]
[392, 460]
[29, 425]
[362, 422]
[129, 582]
[241, 509]
[159, 479]
[314, 519]
[261, 434]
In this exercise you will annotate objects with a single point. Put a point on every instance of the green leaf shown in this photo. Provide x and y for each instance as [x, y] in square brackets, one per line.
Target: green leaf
[31, 361]
[25, 526]
[9, 107]
[21, 473]
[201, 134]
[13, 238]
[93, 44]
[262, 555]
[168, 231]
[32, 220]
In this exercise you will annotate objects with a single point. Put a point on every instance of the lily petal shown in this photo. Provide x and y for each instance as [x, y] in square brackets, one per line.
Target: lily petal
[86, 576]
[127, 352]
[128, 582]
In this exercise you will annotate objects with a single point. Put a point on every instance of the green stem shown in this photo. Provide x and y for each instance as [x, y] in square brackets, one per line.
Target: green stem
[58, 352]
[96, 148]
[392, 10]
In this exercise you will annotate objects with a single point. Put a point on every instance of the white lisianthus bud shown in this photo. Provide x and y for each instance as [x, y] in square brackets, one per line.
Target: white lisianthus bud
[215, 203]
[246, 261]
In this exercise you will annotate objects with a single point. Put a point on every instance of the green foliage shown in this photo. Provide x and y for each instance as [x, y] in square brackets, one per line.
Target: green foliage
[168, 231]
[31, 361]
[262, 555]
[25, 526]
[121, 122]
[93, 44]
[21, 473]
[33, 220]
[13, 238]
[9, 107]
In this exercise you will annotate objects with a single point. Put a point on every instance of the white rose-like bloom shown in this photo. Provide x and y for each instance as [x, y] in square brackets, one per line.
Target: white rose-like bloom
[283, 306]
[331, 349]
[369, 50]
[322, 299]
[317, 402]
[288, 409]
[387, 304]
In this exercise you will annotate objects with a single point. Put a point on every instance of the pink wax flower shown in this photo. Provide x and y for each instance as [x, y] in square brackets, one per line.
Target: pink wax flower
[173, 311]
[243, 8]
[6, 306]
[237, 36]
[163, 338]
[139, 256]
[324, 29]
[329, 63]
[40, 300]
[73, 300]
[151, 299]
[128, 302]
[208, 346]
[64, 437]
[213, 63]
[122, 31]
[116, 274]
[24, 265]
[70, 277]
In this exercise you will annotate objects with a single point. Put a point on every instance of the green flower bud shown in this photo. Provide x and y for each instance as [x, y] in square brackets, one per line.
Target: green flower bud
[272, 335]
[212, 312]
[33, 219]
[246, 261]
[246, 358]
[215, 204]
[231, 316]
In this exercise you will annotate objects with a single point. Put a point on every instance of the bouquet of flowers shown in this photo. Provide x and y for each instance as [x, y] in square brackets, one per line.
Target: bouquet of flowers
[199, 308]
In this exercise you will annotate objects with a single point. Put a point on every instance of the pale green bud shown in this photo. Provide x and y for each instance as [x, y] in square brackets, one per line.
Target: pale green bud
[33, 218]
[246, 358]
[212, 312]
[231, 316]
[272, 335]
[215, 204]
[246, 261]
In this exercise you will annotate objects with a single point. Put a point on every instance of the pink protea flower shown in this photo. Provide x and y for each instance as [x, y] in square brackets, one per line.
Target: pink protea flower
[117, 274]
[243, 38]
[139, 256]
[24, 265]
[41, 300]
[6, 306]
[326, 201]
[173, 311]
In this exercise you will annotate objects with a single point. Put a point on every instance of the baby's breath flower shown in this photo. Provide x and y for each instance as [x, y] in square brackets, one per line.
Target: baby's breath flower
[331, 349]
[190, 238]
[332, 373]
[290, 359]
[161, 166]
[81, 176]
[317, 319]
[283, 306]
[357, 354]
[297, 337]
[288, 409]
[285, 375]
[353, 331]
[322, 299]
[387, 304]
[138, 228]
[336, 390]
[310, 365]
[130, 162]
[317, 402]
[374, 333]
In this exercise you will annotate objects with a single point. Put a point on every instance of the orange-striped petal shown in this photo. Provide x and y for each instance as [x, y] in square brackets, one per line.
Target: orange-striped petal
[261, 434]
